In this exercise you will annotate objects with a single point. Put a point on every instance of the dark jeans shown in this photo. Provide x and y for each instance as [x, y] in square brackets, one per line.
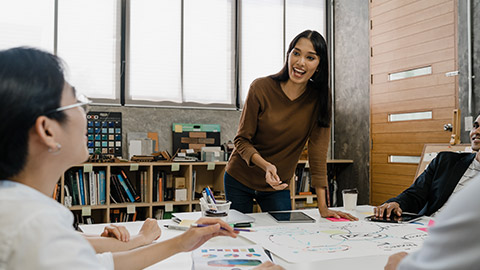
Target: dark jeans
[242, 197]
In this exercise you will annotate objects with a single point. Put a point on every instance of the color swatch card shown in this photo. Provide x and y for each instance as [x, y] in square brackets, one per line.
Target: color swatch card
[222, 258]
[104, 133]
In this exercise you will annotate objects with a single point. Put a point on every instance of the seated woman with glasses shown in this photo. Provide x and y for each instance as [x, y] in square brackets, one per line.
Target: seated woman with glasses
[43, 133]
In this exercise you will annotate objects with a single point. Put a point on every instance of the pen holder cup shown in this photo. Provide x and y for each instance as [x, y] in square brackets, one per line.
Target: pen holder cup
[222, 210]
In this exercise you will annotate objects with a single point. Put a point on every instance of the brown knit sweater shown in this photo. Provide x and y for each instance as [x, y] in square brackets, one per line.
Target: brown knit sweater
[277, 128]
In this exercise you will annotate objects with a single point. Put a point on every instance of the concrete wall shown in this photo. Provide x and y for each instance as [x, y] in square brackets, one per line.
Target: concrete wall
[352, 94]
[140, 119]
[463, 61]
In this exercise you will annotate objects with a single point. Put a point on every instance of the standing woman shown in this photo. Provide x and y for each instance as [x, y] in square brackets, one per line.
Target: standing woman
[281, 113]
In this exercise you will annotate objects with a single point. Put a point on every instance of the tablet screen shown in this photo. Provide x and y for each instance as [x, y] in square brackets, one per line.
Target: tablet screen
[404, 218]
[289, 216]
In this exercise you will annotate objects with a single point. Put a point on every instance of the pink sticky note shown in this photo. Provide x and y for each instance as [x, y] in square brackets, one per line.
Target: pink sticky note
[431, 223]
[423, 229]
[337, 219]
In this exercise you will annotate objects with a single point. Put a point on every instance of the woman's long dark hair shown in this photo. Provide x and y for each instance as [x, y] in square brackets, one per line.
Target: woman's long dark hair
[319, 80]
[31, 83]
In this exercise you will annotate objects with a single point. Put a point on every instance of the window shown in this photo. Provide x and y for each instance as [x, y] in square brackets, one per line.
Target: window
[33, 26]
[208, 51]
[88, 40]
[261, 47]
[267, 28]
[181, 54]
[154, 51]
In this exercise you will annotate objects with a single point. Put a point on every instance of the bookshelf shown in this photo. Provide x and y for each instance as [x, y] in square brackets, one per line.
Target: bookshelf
[143, 176]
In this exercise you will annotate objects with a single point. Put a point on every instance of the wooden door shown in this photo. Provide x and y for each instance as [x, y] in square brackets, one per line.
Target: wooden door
[413, 46]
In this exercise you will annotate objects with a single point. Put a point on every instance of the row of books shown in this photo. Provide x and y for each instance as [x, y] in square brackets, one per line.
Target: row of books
[121, 216]
[85, 188]
[303, 181]
[163, 186]
[122, 190]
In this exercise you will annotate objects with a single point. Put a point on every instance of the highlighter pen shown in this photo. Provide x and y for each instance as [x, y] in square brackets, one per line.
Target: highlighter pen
[176, 227]
[235, 229]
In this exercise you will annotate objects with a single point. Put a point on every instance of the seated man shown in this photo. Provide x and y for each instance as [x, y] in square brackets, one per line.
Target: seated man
[453, 242]
[446, 174]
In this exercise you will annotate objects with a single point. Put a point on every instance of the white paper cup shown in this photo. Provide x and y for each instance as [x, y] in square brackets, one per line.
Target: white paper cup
[350, 199]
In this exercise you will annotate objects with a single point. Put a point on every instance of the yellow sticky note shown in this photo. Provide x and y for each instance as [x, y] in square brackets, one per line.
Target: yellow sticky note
[178, 128]
[210, 166]
[87, 167]
[86, 211]
[134, 167]
[130, 209]
[175, 167]
[186, 222]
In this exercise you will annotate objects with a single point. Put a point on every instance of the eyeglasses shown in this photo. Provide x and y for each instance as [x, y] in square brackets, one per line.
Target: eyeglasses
[83, 102]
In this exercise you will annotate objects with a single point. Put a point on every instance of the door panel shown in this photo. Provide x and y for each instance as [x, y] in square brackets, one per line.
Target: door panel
[407, 35]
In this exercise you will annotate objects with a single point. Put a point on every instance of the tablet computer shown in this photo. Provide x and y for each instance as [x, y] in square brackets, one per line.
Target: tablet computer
[290, 216]
[404, 218]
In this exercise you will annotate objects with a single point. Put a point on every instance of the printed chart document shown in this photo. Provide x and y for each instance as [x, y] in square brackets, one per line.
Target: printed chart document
[299, 243]
[222, 258]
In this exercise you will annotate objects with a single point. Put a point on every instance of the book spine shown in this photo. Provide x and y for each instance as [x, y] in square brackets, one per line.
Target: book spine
[130, 187]
[124, 185]
[80, 180]
[102, 185]
[91, 185]
[73, 181]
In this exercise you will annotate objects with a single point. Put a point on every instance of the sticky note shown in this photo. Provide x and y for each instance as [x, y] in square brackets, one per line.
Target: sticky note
[310, 199]
[190, 151]
[87, 167]
[134, 167]
[423, 229]
[210, 166]
[337, 219]
[168, 207]
[307, 165]
[175, 167]
[178, 128]
[86, 211]
[130, 209]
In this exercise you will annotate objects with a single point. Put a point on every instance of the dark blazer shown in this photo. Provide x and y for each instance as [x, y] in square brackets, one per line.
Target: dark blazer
[434, 186]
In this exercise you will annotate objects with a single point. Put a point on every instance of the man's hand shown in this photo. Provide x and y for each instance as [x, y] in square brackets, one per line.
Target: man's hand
[387, 209]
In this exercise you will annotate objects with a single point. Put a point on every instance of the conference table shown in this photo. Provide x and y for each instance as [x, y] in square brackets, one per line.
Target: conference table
[184, 260]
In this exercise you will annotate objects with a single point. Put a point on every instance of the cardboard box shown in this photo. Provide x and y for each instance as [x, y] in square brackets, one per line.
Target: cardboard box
[180, 194]
[180, 182]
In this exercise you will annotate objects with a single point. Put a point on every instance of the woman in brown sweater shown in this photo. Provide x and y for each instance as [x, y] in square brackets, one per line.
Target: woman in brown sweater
[281, 113]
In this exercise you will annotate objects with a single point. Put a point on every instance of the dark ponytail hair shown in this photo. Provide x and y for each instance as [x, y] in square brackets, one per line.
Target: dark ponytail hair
[31, 84]
[319, 80]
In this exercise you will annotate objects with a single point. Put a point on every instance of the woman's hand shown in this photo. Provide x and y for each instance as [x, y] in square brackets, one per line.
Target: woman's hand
[119, 232]
[394, 260]
[150, 231]
[268, 266]
[335, 214]
[273, 179]
[195, 237]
